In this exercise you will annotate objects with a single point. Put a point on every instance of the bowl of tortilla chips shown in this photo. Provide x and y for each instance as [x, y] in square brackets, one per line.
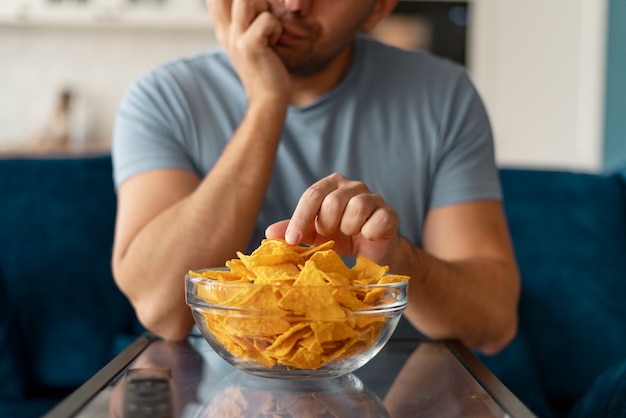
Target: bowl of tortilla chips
[292, 311]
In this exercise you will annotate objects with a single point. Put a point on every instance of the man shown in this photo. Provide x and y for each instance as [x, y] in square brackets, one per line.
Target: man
[211, 150]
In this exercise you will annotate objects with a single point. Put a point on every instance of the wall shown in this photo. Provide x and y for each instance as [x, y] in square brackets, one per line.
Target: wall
[540, 68]
[94, 47]
[98, 63]
[539, 65]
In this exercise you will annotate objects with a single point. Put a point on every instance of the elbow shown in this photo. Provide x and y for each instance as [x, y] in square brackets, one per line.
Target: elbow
[503, 332]
[165, 317]
[170, 328]
[506, 326]
[118, 280]
[506, 332]
[172, 323]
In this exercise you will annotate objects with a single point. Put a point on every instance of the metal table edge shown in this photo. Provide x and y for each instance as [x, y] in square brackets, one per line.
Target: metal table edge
[81, 396]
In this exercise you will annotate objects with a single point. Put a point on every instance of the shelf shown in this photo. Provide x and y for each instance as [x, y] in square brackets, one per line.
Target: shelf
[167, 14]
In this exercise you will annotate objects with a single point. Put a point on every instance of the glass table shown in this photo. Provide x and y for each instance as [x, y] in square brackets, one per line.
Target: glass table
[408, 378]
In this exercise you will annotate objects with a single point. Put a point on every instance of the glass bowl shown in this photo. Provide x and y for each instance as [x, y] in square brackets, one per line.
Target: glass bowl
[284, 331]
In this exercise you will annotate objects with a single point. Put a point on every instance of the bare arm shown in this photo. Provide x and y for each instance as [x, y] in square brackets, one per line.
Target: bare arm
[464, 283]
[169, 221]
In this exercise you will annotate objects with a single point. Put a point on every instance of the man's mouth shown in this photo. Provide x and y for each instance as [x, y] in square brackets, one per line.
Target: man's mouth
[290, 36]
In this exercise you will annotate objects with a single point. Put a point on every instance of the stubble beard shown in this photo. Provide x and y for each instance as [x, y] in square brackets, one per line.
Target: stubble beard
[308, 64]
[318, 56]
[315, 58]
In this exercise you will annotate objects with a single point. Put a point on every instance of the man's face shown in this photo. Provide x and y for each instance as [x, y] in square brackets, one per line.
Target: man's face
[317, 31]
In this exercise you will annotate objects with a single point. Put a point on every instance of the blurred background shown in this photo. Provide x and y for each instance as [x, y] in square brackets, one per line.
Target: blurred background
[552, 73]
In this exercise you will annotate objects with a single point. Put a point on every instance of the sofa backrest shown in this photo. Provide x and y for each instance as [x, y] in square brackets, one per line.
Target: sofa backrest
[66, 313]
[569, 233]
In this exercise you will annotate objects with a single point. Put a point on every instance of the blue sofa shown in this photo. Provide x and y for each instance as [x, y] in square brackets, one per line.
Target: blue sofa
[62, 317]
[569, 232]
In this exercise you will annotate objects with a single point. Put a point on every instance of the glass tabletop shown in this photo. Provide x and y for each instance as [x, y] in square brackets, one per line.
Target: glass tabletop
[406, 379]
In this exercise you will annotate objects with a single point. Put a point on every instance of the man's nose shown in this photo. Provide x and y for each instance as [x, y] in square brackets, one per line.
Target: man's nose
[297, 6]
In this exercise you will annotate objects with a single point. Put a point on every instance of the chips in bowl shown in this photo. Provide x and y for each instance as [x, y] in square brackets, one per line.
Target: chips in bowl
[288, 310]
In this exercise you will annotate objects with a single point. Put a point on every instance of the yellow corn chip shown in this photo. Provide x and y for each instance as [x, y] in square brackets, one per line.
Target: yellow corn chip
[286, 342]
[390, 278]
[280, 273]
[366, 271]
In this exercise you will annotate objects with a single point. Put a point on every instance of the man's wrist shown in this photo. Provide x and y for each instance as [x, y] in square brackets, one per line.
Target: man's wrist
[406, 258]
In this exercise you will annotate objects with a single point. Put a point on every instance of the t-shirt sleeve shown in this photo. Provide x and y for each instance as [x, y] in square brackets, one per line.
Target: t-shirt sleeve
[149, 129]
[466, 170]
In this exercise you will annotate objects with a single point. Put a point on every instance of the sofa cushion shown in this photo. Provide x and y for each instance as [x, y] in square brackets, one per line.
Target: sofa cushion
[569, 233]
[606, 397]
[55, 246]
[11, 349]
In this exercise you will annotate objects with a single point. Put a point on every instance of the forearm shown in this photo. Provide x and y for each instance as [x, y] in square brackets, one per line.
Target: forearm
[474, 300]
[202, 229]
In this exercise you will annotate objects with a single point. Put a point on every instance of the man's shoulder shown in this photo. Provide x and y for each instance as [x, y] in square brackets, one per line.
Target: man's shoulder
[399, 59]
[187, 71]
[206, 63]
[183, 82]
[386, 68]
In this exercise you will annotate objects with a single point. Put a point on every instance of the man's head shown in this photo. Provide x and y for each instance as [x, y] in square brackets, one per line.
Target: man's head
[315, 32]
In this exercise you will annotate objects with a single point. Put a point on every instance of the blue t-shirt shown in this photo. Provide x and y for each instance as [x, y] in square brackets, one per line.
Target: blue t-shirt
[408, 124]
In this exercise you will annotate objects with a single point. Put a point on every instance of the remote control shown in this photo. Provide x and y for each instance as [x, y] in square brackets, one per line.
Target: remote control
[148, 393]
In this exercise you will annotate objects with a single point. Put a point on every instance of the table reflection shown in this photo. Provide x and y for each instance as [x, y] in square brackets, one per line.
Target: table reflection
[432, 384]
[405, 379]
[243, 395]
[185, 365]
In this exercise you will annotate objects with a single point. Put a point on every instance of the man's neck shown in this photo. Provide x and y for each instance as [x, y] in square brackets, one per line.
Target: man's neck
[307, 89]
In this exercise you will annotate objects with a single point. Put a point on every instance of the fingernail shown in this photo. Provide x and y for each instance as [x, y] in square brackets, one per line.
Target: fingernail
[292, 237]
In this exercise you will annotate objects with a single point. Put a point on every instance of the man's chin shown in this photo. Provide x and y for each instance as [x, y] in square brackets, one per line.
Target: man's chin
[304, 71]
[299, 66]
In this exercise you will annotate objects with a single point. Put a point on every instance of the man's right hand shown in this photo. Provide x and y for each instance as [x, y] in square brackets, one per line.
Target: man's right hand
[248, 30]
